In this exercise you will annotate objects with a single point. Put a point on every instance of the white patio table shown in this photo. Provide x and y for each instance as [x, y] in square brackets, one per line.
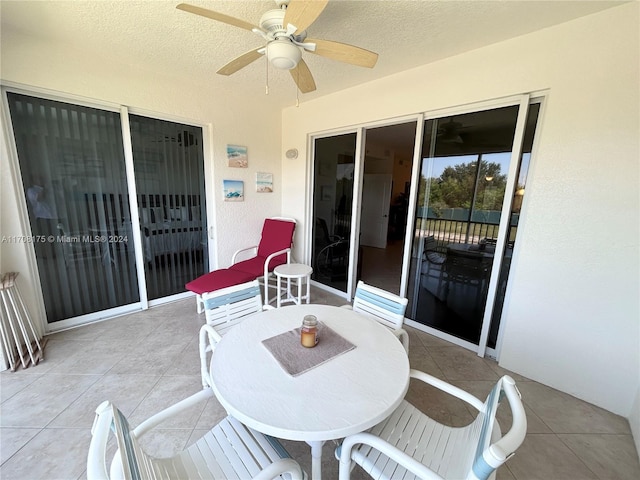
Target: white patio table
[347, 394]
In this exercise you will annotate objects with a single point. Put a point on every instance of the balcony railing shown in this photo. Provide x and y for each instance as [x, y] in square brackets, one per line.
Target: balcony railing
[447, 231]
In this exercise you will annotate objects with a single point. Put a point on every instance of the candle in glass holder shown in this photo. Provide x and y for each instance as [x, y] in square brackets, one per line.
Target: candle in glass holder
[309, 331]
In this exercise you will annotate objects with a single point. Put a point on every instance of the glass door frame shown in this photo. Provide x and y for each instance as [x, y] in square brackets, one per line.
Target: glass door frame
[22, 209]
[522, 101]
[208, 186]
[356, 206]
[309, 232]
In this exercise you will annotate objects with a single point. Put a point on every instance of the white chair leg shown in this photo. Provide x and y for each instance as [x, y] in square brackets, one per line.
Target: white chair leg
[199, 303]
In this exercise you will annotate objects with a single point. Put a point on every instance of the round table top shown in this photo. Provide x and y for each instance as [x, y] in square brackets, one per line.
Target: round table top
[348, 394]
[293, 270]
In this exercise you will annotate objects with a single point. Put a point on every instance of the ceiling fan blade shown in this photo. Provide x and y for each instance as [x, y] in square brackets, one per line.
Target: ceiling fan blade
[220, 17]
[303, 78]
[303, 13]
[240, 62]
[344, 52]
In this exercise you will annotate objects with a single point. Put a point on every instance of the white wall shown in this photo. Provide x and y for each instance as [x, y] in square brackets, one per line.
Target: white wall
[232, 120]
[571, 320]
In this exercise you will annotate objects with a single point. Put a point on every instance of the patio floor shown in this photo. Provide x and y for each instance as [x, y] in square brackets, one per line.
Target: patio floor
[148, 360]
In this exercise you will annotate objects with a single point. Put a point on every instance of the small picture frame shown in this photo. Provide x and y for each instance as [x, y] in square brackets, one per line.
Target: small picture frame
[237, 156]
[233, 190]
[326, 193]
[264, 182]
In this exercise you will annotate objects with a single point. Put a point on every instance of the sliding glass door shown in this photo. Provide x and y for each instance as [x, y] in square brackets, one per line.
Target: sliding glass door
[334, 170]
[466, 187]
[73, 173]
[78, 191]
[169, 170]
[454, 226]
[386, 180]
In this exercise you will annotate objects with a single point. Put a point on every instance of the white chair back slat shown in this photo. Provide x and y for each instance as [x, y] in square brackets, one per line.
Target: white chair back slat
[242, 459]
[391, 469]
[259, 448]
[231, 304]
[179, 469]
[205, 447]
[387, 308]
[379, 302]
[194, 463]
[418, 424]
[161, 471]
[227, 465]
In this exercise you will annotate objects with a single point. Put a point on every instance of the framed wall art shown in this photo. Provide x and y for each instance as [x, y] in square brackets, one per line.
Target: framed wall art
[264, 182]
[233, 190]
[237, 156]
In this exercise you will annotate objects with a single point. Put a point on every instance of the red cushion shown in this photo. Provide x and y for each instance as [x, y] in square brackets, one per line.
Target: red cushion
[212, 281]
[276, 235]
[255, 265]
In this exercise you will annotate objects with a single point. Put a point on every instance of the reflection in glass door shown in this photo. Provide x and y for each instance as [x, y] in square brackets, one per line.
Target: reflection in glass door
[462, 188]
[334, 169]
[73, 171]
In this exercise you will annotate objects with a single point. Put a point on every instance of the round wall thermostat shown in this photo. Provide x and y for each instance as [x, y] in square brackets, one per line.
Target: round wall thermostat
[292, 153]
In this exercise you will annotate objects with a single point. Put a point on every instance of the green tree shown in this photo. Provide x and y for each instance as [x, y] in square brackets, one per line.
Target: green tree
[455, 186]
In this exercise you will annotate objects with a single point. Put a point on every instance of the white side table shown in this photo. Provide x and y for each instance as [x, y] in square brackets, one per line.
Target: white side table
[291, 271]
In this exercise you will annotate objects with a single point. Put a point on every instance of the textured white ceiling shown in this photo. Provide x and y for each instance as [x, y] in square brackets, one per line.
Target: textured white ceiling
[406, 34]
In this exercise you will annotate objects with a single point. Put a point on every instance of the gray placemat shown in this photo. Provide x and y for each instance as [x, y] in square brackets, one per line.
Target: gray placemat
[296, 359]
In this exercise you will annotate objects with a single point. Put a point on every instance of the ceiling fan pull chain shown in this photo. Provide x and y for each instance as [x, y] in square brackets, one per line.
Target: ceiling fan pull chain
[266, 87]
[297, 89]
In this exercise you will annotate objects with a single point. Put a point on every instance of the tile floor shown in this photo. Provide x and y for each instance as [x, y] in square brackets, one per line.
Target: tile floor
[146, 361]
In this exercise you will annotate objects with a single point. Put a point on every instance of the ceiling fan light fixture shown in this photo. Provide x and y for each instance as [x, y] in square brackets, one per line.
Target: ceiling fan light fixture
[283, 54]
[451, 138]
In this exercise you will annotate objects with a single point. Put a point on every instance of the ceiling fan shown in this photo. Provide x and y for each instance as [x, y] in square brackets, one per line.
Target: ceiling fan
[449, 132]
[284, 30]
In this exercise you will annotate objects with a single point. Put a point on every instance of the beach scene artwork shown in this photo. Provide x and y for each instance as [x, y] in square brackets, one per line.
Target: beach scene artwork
[264, 182]
[237, 156]
[233, 190]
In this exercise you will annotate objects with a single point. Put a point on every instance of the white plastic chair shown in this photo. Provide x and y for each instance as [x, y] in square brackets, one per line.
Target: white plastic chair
[385, 307]
[228, 451]
[225, 308]
[410, 445]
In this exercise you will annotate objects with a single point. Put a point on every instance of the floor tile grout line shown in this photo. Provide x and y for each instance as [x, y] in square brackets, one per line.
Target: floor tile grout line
[577, 457]
[23, 446]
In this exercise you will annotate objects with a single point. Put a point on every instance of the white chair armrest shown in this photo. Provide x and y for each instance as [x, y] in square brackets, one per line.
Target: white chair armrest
[172, 411]
[242, 250]
[513, 438]
[97, 457]
[272, 256]
[284, 465]
[387, 449]
[448, 388]
[403, 336]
